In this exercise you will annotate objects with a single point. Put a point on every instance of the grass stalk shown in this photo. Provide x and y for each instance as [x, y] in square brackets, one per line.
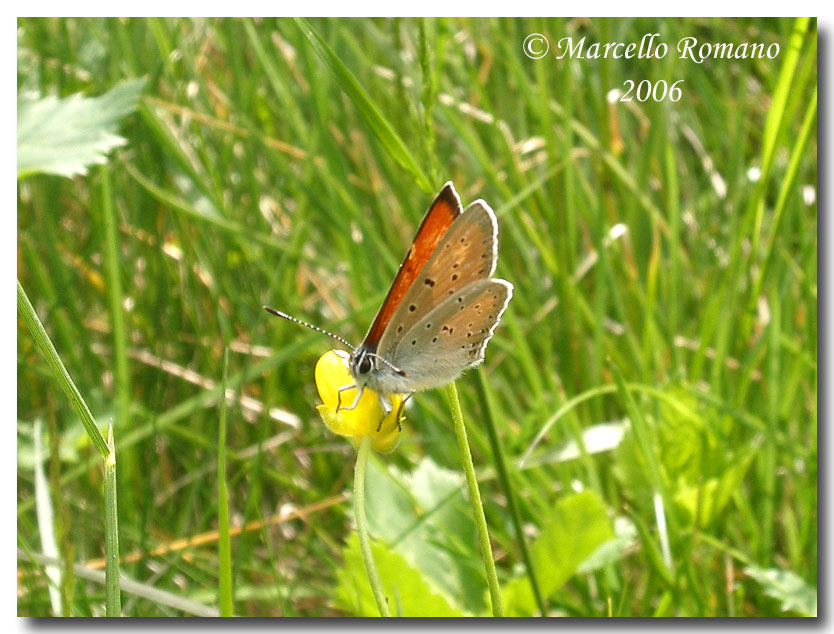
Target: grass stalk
[113, 596]
[475, 500]
[224, 542]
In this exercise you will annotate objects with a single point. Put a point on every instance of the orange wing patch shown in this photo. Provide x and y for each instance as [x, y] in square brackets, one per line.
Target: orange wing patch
[443, 211]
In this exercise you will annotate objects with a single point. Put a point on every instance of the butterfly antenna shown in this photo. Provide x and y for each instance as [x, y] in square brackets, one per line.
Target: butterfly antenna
[390, 365]
[278, 313]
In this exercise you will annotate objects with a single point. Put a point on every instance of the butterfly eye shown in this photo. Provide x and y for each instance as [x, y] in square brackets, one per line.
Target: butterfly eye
[364, 366]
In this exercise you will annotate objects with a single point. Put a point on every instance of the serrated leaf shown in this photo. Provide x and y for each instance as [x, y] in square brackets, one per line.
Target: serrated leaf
[787, 587]
[66, 136]
[406, 589]
[577, 526]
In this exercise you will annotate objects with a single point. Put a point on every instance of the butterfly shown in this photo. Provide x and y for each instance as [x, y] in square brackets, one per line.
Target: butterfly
[441, 309]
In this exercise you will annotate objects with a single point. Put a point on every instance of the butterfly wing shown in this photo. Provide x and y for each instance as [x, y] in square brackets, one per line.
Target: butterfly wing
[466, 253]
[453, 336]
[440, 216]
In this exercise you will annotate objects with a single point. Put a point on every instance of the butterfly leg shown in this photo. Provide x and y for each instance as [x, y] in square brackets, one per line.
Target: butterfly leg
[355, 401]
[387, 408]
[401, 409]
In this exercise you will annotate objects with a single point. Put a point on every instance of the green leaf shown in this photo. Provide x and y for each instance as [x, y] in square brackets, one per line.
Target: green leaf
[706, 500]
[791, 590]
[698, 469]
[625, 537]
[407, 591]
[373, 117]
[574, 530]
[65, 136]
[631, 471]
[424, 516]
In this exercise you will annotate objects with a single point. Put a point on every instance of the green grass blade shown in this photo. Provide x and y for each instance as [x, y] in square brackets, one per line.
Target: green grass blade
[116, 297]
[121, 370]
[27, 311]
[644, 435]
[775, 125]
[786, 188]
[775, 116]
[507, 485]
[373, 117]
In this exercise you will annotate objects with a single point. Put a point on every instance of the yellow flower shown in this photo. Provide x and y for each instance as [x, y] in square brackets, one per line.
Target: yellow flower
[331, 374]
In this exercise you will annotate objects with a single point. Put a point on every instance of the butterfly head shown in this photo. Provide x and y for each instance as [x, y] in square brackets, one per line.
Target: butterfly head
[362, 363]
[368, 368]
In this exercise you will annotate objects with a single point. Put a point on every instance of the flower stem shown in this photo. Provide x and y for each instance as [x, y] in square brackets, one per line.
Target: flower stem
[475, 500]
[362, 525]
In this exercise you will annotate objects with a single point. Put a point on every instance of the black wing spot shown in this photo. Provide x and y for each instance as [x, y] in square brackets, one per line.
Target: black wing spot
[428, 326]
[413, 342]
[399, 329]
[429, 282]
[434, 340]
[412, 308]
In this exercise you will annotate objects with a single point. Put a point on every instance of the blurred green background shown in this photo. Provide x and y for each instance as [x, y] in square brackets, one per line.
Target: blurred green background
[652, 387]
